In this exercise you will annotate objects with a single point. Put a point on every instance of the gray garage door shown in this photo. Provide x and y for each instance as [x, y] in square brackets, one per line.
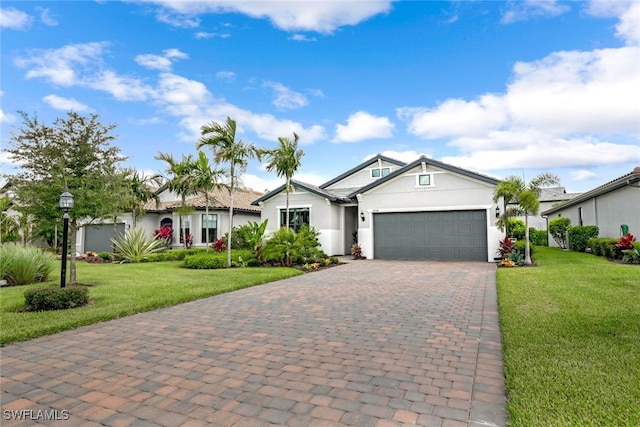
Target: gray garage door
[97, 237]
[443, 236]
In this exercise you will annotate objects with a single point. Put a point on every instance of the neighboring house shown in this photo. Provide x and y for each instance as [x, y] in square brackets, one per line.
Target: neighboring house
[608, 206]
[96, 237]
[422, 210]
[549, 198]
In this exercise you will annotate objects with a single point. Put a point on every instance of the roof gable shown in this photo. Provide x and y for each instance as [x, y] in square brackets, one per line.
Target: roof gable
[320, 192]
[421, 159]
[362, 166]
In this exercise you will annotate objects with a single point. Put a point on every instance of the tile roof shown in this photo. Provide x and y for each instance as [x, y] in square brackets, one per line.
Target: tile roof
[218, 199]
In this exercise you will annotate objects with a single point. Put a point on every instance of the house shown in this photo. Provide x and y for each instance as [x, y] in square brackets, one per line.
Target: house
[96, 237]
[608, 206]
[425, 209]
[549, 198]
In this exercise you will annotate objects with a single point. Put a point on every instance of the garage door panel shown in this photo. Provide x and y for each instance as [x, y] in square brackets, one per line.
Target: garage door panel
[446, 235]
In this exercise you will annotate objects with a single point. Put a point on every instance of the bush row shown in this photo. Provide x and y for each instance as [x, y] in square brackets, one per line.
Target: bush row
[42, 299]
[606, 247]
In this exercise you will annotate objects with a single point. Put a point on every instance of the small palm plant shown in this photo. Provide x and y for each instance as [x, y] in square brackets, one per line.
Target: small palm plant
[135, 246]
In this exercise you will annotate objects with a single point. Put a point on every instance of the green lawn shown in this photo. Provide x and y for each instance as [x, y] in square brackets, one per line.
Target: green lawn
[123, 289]
[571, 336]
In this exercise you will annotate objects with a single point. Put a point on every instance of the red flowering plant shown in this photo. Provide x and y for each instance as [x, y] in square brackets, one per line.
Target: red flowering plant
[630, 251]
[219, 245]
[165, 233]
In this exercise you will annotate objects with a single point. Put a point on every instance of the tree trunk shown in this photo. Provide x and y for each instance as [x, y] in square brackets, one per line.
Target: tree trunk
[287, 204]
[231, 188]
[73, 228]
[527, 249]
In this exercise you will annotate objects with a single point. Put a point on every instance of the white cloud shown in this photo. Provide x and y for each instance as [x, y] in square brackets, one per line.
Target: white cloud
[362, 125]
[546, 112]
[302, 38]
[122, 88]
[227, 76]
[46, 18]
[529, 9]
[14, 19]
[61, 66]
[285, 98]
[309, 15]
[160, 62]
[65, 104]
[582, 175]
[205, 35]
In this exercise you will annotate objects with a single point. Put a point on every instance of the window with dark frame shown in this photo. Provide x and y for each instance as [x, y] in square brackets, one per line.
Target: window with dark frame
[424, 180]
[185, 226]
[297, 218]
[380, 172]
[212, 223]
[580, 216]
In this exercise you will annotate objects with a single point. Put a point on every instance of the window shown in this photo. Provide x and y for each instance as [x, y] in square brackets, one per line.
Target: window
[212, 223]
[185, 225]
[297, 218]
[580, 218]
[424, 180]
[377, 173]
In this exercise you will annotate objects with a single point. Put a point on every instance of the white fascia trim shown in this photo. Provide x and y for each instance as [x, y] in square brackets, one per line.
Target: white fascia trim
[293, 206]
[432, 209]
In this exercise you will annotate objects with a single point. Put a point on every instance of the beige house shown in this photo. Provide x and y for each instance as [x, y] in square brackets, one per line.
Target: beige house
[96, 237]
[422, 210]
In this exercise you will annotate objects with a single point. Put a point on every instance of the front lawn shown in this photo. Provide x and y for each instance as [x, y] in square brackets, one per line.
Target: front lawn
[123, 289]
[571, 337]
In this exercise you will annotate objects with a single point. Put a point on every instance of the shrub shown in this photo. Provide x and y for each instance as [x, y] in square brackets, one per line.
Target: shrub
[515, 228]
[165, 234]
[23, 265]
[628, 248]
[106, 256]
[520, 247]
[172, 255]
[134, 246]
[558, 228]
[42, 299]
[205, 261]
[219, 245]
[356, 251]
[538, 237]
[580, 234]
[286, 247]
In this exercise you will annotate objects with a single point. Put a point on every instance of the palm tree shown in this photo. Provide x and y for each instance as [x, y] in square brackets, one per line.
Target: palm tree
[141, 189]
[514, 190]
[204, 179]
[285, 160]
[221, 140]
[180, 182]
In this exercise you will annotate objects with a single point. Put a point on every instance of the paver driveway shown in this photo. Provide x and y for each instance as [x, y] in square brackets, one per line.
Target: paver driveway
[377, 343]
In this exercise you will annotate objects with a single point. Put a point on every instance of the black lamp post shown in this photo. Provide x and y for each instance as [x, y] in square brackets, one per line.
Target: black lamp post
[66, 203]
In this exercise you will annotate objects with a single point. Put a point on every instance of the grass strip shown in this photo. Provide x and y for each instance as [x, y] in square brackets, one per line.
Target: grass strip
[571, 341]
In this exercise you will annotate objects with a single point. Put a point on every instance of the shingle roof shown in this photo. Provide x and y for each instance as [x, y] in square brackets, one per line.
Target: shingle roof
[327, 194]
[362, 166]
[218, 199]
[632, 178]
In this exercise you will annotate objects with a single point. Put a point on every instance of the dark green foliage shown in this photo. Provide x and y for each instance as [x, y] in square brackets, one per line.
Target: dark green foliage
[520, 244]
[558, 228]
[205, 261]
[43, 299]
[516, 228]
[173, 255]
[334, 260]
[286, 247]
[579, 235]
[105, 256]
[538, 237]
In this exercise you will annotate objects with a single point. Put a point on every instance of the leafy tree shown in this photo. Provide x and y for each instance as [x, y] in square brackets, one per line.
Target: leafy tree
[559, 227]
[285, 159]
[221, 140]
[180, 181]
[205, 179]
[514, 190]
[73, 152]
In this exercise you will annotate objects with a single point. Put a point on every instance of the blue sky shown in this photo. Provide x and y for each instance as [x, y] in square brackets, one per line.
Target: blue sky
[500, 88]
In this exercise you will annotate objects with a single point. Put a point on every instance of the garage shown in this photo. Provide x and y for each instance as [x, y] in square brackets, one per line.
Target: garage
[442, 235]
[97, 237]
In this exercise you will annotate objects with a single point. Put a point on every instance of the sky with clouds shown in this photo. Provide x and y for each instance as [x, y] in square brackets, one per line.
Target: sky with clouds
[501, 88]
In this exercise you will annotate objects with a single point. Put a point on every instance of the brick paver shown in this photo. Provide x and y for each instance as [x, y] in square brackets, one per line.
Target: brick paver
[378, 343]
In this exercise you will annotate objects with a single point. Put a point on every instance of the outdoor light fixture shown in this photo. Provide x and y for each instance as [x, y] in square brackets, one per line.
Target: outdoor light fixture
[362, 216]
[66, 203]
[497, 211]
